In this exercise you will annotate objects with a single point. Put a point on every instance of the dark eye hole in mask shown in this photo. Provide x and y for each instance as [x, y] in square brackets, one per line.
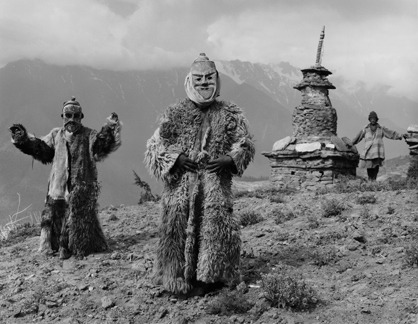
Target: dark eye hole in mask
[75, 115]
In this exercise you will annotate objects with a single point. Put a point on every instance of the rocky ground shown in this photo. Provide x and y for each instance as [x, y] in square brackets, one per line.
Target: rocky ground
[348, 257]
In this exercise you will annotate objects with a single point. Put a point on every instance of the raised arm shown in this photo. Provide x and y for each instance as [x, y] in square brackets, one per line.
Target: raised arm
[108, 139]
[40, 149]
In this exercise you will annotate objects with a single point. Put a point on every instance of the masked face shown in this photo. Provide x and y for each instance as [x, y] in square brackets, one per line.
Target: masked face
[204, 80]
[72, 116]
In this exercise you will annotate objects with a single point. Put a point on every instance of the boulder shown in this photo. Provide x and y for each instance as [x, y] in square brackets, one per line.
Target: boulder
[349, 144]
[282, 144]
[340, 144]
[412, 129]
[308, 147]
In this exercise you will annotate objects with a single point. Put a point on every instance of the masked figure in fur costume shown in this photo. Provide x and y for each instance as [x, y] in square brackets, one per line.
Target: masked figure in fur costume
[70, 221]
[200, 144]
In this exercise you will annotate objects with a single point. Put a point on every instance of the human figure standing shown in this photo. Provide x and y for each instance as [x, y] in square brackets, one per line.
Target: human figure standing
[200, 144]
[374, 150]
[70, 221]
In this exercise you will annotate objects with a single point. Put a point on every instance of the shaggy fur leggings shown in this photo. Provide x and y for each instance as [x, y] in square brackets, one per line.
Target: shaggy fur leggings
[53, 218]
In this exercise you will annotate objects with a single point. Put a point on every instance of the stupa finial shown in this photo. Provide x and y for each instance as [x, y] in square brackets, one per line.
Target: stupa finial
[319, 51]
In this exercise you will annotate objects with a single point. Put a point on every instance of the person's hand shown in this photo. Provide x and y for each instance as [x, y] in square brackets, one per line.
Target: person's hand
[18, 132]
[184, 164]
[113, 118]
[221, 163]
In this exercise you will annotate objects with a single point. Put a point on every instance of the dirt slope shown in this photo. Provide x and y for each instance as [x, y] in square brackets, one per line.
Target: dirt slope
[354, 261]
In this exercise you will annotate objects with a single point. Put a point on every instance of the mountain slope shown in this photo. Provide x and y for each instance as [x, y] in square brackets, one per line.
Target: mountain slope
[356, 263]
[32, 93]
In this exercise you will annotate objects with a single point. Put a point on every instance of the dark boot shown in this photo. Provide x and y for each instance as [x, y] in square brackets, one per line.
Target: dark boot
[376, 171]
[370, 173]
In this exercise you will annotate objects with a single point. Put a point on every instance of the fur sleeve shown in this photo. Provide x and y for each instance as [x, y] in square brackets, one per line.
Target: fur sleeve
[160, 159]
[40, 149]
[107, 140]
[243, 148]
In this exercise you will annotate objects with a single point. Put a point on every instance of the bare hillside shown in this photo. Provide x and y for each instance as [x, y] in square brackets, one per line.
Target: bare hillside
[347, 256]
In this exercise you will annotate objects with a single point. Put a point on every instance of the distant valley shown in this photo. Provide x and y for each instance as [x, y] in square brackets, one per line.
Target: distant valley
[32, 93]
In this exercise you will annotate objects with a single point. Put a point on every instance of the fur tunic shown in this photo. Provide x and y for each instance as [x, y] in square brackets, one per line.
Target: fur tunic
[199, 235]
[71, 207]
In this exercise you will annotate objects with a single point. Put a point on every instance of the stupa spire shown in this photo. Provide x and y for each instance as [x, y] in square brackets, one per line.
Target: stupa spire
[319, 51]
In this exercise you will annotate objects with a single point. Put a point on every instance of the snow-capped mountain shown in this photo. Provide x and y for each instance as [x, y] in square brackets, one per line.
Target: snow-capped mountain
[32, 93]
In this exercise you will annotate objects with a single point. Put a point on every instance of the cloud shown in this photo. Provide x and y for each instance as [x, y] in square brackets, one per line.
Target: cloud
[372, 41]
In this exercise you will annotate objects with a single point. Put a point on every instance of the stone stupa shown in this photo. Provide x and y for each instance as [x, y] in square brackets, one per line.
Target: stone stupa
[313, 156]
[412, 141]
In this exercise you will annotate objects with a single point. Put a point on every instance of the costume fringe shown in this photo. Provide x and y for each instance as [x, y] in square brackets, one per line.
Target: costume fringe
[53, 218]
[83, 228]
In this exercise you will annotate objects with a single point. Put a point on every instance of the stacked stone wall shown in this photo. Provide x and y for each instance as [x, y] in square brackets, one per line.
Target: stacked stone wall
[412, 141]
[306, 179]
[309, 174]
[308, 121]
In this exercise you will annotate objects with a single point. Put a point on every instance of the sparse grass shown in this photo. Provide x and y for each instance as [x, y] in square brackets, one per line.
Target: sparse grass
[325, 257]
[282, 215]
[19, 228]
[332, 207]
[113, 218]
[295, 255]
[247, 194]
[366, 198]
[411, 254]
[313, 222]
[329, 237]
[272, 193]
[365, 212]
[403, 183]
[344, 184]
[278, 199]
[249, 217]
[20, 232]
[351, 185]
[254, 266]
[287, 289]
[228, 303]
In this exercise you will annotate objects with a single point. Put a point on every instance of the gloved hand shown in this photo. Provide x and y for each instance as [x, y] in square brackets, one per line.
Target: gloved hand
[113, 118]
[221, 163]
[183, 163]
[18, 132]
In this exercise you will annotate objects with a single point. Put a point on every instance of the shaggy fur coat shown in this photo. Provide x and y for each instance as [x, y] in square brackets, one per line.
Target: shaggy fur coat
[71, 214]
[199, 235]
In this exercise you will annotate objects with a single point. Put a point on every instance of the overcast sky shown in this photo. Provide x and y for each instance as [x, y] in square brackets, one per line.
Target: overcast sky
[369, 40]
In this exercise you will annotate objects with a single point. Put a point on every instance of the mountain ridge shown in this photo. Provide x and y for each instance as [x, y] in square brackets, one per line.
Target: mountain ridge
[32, 93]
